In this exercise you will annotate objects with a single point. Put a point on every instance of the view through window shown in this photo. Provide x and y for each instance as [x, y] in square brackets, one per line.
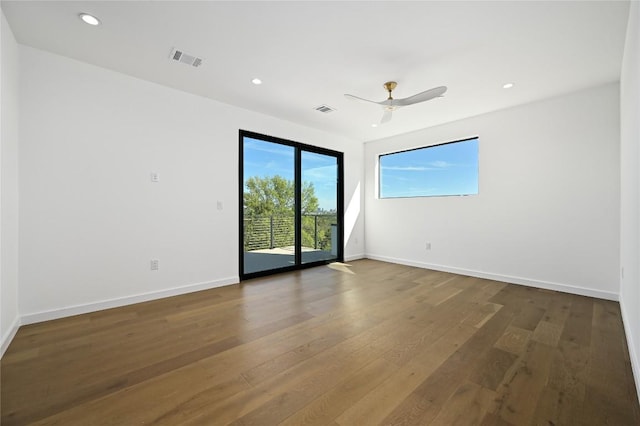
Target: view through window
[438, 170]
[291, 197]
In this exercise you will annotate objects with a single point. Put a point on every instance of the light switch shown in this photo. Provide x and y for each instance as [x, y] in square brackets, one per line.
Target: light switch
[219, 205]
[155, 177]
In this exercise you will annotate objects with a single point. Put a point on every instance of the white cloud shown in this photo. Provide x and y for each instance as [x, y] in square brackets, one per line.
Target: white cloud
[271, 148]
[407, 168]
[320, 174]
[440, 164]
[431, 166]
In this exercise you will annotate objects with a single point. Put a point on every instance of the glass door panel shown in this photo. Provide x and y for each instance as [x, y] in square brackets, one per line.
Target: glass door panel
[269, 239]
[320, 228]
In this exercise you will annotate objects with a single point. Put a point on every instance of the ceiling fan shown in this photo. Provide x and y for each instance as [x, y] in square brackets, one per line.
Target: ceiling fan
[389, 105]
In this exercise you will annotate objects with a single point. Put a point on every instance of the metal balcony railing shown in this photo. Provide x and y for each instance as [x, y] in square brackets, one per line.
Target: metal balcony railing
[269, 232]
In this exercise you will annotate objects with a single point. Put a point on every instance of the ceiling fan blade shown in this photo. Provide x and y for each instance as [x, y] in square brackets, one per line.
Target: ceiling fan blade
[359, 99]
[421, 97]
[386, 116]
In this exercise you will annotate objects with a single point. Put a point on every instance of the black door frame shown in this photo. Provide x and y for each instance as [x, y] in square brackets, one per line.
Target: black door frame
[299, 148]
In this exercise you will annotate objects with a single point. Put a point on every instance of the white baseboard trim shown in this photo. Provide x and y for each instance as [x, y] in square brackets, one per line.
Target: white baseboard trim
[354, 257]
[633, 355]
[123, 301]
[547, 285]
[9, 335]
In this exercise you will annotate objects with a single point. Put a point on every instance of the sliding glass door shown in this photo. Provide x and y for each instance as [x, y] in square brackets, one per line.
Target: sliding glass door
[268, 206]
[319, 207]
[291, 204]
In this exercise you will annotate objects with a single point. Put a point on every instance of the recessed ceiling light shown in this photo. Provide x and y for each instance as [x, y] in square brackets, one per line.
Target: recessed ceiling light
[374, 125]
[256, 81]
[89, 19]
[508, 86]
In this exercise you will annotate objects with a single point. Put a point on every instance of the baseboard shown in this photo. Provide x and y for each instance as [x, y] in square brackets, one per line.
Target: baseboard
[633, 355]
[565, 288]
[8, 337]
[354, 257]
[123, 301]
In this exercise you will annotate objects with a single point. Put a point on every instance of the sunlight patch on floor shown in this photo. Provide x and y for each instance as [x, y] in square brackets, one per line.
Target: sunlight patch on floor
[342, 267]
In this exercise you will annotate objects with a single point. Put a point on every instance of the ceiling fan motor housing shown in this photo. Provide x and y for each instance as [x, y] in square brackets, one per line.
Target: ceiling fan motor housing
[389, 86]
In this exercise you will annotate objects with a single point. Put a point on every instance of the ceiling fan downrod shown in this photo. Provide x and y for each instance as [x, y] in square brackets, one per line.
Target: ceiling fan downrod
[389, 86]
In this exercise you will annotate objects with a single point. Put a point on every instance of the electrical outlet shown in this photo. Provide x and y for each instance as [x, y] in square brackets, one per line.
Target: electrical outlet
[155, 177]
[155, 264]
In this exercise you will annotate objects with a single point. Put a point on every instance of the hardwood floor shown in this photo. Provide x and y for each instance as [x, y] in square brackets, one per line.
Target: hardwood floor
[359, 344]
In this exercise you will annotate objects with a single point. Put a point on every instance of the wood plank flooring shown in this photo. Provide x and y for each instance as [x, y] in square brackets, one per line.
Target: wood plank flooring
[363, 343]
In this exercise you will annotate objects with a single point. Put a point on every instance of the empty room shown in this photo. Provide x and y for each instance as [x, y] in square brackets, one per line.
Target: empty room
[320, 213]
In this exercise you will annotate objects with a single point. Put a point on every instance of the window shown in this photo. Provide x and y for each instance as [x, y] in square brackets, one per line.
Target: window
[439, 170]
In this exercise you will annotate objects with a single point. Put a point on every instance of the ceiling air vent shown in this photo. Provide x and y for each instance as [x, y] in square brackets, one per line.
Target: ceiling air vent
[325, 108]
[185, 58]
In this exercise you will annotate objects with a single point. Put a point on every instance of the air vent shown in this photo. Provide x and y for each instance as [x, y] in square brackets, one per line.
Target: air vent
[325, 108]
[179, 56]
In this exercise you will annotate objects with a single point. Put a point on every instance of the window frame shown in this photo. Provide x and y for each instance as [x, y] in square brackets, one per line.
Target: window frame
[299, 148]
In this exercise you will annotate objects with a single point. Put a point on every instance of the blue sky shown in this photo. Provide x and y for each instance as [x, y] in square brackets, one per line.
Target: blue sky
[271, 159]
[450, 169]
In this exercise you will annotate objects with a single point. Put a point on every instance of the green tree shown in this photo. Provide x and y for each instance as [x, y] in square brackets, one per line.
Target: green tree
[269, 204]
[272, 195]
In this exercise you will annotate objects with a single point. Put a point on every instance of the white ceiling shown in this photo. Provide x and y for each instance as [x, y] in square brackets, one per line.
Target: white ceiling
[311, 53]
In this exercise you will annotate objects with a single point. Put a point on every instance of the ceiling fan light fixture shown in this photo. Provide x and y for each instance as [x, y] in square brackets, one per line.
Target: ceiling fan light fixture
[391, 104]
[89, 19]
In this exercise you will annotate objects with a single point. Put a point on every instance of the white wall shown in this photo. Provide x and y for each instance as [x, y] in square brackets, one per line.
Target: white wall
[91, 219]
[630, 189]
[548, 209]
[9, 318]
